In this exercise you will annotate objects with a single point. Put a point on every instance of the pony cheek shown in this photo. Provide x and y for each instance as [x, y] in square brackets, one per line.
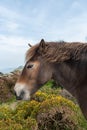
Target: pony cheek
[32, 89]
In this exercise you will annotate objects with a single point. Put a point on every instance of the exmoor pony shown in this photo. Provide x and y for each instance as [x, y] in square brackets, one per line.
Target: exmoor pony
[64, 62]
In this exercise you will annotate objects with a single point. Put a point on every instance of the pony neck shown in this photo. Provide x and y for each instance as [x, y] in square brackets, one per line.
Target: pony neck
[64, 76]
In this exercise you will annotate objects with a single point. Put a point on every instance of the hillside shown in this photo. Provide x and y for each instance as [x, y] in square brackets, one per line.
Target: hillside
[51, 108]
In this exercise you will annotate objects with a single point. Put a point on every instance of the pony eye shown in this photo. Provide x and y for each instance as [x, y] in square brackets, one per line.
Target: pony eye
[29, 66]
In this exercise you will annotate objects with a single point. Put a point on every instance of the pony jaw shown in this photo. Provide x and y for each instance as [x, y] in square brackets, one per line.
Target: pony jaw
[19, 88]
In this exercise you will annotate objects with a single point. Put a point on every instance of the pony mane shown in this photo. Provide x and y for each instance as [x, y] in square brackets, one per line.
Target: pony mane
[31, 52]
[58, 51]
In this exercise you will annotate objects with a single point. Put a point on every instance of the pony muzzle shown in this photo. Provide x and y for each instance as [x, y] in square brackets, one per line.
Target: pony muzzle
[21, 92]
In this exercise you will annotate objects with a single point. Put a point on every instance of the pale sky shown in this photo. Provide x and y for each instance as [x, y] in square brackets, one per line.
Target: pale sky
[28, 21]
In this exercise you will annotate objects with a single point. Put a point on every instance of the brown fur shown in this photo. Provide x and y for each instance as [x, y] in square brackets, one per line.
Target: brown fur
[58, 51]
[65, 62]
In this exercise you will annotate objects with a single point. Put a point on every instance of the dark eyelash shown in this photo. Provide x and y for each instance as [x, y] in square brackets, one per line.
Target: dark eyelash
[29, 66]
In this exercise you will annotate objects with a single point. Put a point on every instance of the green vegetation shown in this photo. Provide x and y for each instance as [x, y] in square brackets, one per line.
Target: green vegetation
[51, 108]
[47, 110]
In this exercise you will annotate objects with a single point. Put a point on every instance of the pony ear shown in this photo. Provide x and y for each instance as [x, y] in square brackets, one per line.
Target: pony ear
[29, 45]
[42, 43]
[42, 46]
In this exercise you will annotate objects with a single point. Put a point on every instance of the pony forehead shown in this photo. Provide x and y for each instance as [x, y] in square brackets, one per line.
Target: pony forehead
[31, 52]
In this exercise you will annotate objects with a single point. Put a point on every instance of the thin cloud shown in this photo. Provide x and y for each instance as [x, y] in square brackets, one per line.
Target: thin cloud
[7, 13]
[14, 41]
[24, 22]
[12, 51]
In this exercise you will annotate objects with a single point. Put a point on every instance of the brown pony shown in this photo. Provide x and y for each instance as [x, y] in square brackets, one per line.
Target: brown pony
[66, 63]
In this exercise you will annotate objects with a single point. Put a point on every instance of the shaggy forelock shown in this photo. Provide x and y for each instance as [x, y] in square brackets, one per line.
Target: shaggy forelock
[58, 51]
[31, 52]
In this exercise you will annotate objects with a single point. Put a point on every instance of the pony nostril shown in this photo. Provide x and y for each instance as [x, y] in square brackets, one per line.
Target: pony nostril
[18, 98]
[21, 96]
